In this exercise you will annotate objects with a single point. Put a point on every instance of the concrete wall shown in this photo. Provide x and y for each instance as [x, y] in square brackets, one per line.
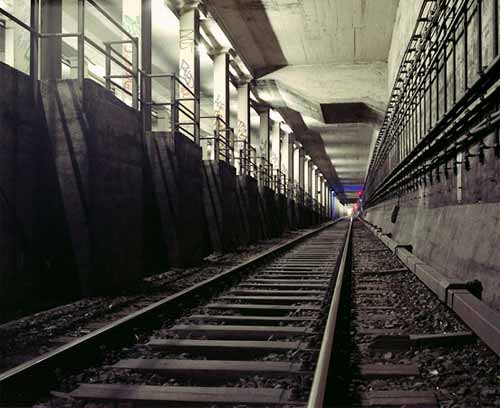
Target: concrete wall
[173, 209]
[36, 258]
[406, 17]
[248, 210]
[453, 222]
[89, 206]
[220, 203]
[97, 145]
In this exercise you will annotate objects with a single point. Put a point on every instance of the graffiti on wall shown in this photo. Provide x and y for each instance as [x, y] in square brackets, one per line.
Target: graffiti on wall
[187, 55]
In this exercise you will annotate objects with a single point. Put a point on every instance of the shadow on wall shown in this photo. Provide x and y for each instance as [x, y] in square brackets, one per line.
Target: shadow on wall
[96, 140]
[36, 262]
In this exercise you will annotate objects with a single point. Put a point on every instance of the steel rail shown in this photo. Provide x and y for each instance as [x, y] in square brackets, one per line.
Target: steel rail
[318, 388]
[34, 379]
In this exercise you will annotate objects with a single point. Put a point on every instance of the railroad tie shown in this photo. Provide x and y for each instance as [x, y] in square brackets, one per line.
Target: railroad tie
[160, 395]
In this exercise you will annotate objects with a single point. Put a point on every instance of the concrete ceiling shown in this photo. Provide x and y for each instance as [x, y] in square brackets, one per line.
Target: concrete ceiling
[323, 60]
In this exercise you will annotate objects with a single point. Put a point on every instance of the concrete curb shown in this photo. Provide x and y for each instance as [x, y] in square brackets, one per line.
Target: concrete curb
[482, 320]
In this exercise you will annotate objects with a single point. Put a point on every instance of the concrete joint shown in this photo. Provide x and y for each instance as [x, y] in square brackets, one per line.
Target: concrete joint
[244, 79]
[218, 51]
[183, 6]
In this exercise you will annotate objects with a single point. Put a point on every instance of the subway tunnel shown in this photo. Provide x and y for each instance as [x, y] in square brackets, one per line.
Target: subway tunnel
[242, 203]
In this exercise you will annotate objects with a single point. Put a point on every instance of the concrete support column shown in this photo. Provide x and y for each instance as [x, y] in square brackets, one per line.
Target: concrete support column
[189, 57]
[320, 189]
[264, 132]
[324, 195]
[286, 156]
[51, 48]
[307, 178]
[323, 201]
[276, 146]
[302, 157]
[221, 85]
[284, 153]
[327, 200]
[243, 127]
[296, 163]
[264, 151]
[317, 185]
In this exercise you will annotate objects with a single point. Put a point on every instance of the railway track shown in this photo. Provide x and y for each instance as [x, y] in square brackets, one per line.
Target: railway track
[403, 347]
[263, 341]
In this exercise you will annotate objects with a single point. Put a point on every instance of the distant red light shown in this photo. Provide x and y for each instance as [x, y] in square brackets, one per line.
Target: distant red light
[360, 193]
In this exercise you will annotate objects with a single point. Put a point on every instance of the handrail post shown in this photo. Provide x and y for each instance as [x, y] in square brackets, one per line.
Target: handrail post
[108, 65]
[173, 106]
[216, 139]
[197, 120]
[231, 145]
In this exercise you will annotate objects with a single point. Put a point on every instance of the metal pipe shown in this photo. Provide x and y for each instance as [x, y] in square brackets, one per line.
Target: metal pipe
[15, 19]
[386, 125]
[34, 19]
[480, 36]
[107, 77]
[466, 56]
[58, 35]
[419, 73]
[135, 79]
[495, 28]
[81, 40]
[464, 103]
[146, 61]
[111, 19]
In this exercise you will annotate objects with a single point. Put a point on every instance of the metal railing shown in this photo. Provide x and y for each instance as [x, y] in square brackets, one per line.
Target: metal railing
[299, 194]
[245, 159]
[34, 34]
[315, 205]
[219, 145]
[280, 182]
[131, 67]
[265, 173]
[308, 200]
[441, 92]
[184, 106]
[290, 190]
